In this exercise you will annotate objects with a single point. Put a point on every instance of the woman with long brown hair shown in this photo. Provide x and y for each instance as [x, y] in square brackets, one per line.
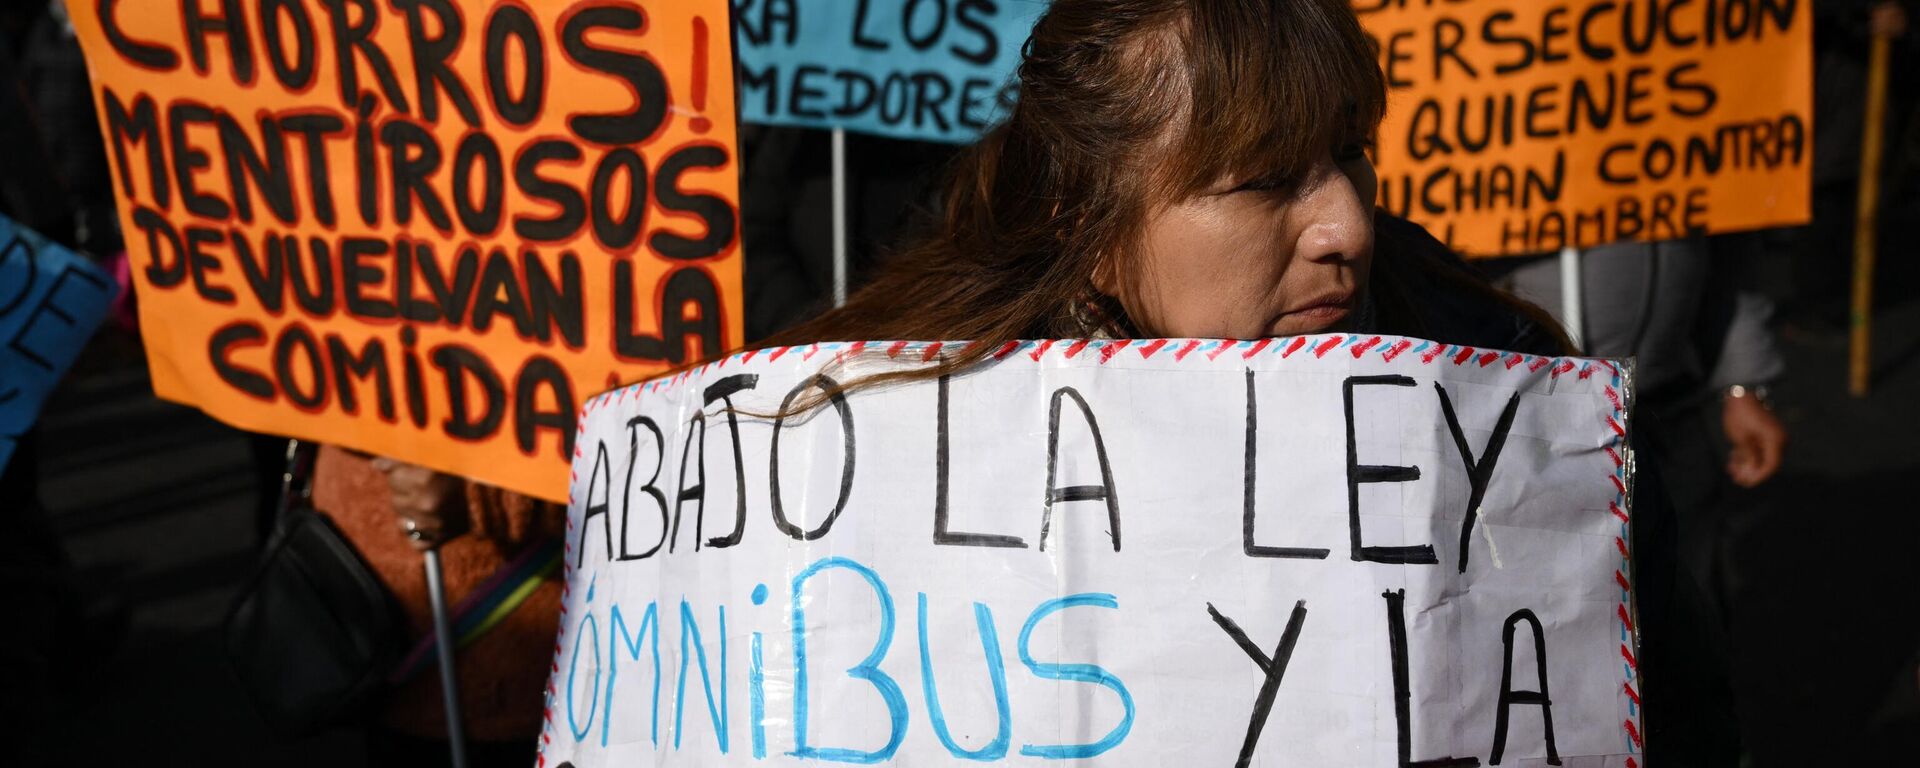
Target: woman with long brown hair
[1198, 168]
[1187, 168]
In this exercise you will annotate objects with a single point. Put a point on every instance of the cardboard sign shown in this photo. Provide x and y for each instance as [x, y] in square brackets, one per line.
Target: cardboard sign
[1519, 128]
[1327, 550]
[933, 70]
[51, 300]
[425, 229]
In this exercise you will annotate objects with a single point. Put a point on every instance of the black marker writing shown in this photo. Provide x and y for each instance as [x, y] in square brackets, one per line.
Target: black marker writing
[1358, 473]
[1510, 697]
[1103, 492]
[942, 468]
[1272, 668]
[1247, 513]
[838, 400]
[1403, 687]
[1480, 470]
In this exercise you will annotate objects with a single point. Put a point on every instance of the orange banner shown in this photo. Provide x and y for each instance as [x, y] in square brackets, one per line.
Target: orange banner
[1524, 126]
[426, 229]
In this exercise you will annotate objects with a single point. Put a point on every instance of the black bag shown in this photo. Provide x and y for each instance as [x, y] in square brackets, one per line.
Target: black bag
[313, 633]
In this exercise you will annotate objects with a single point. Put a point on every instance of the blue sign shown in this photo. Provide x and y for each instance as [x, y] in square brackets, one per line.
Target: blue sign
[933, 70]
[51, 300]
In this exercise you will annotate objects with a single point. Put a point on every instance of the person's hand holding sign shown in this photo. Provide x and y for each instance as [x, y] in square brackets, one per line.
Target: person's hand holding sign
[1755, 434]
[424, 502]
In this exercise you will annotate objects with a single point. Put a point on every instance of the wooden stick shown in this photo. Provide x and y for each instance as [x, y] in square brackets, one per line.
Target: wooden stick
[1866, 216]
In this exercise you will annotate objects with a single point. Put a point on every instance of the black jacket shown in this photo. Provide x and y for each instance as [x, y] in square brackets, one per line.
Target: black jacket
[1421, 288]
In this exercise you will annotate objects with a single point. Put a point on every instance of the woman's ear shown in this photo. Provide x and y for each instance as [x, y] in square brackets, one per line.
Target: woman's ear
[1106, 276]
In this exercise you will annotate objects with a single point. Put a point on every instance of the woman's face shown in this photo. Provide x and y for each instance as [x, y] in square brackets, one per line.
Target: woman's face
[1253, 257]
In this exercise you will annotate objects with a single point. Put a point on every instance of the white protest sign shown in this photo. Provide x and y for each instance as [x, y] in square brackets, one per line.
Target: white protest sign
[1326, 550]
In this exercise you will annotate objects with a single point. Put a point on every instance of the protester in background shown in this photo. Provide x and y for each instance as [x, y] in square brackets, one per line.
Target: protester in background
[391, 511]
[1705, 359]
[1705, 345]
[1179, 169]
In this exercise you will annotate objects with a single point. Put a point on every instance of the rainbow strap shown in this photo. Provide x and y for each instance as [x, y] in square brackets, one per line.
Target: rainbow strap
[487, 606]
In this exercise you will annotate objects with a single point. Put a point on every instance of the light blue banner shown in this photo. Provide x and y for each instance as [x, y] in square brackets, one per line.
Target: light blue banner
[934, 70]
[51, 300]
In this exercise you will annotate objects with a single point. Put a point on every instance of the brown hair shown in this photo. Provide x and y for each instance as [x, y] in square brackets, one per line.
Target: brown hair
[1062, 188]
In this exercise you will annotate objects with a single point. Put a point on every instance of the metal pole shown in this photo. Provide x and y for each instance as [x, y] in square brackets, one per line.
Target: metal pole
[839, 216]
[1866, 217]
[1572, 299]
[443, 647]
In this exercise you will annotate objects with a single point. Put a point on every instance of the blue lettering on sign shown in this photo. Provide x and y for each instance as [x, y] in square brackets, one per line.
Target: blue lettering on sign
[590, 689]
[573, 666]
[719, 715]
[757, 701]
[868, 669]
[996, 672]
[617, 631]
[756, 686]
[1079, 673]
